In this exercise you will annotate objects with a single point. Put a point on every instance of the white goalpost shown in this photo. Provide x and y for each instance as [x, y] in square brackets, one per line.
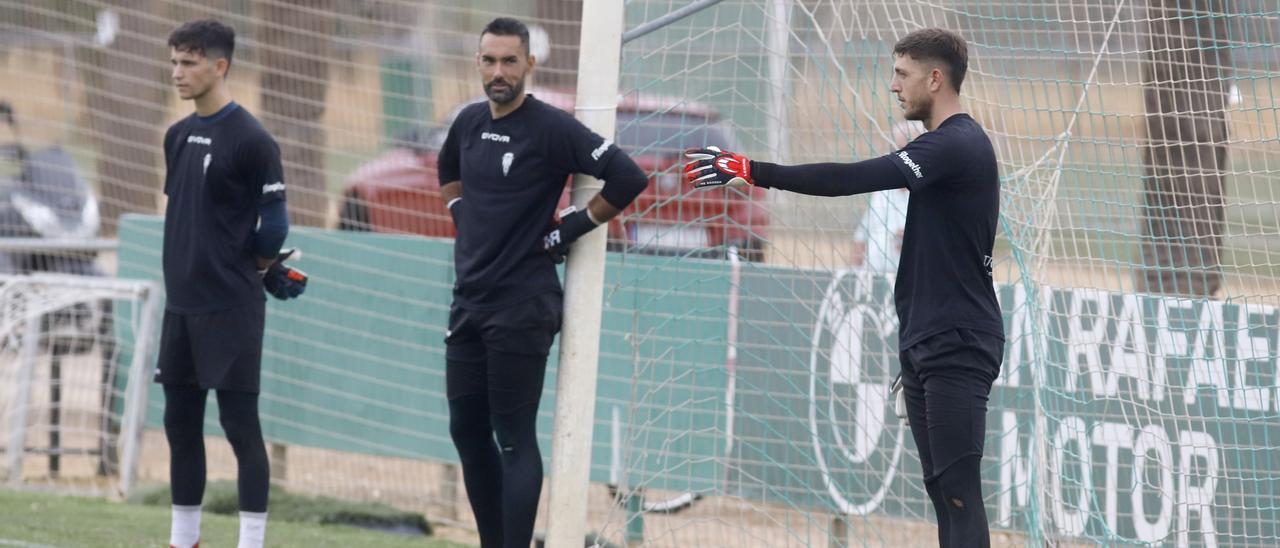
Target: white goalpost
[583, 288]
[78, 352]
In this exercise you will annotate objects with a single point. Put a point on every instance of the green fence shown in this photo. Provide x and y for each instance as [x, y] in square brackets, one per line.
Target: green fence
[1159, 414]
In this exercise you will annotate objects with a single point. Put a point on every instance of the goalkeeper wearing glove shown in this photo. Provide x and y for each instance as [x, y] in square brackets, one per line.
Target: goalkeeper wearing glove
[502, 171]
[225, 222]
[281, 281]
[950, 329]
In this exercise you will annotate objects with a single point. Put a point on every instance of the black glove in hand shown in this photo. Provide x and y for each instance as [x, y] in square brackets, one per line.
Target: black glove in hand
[573, 224]
[281, 281]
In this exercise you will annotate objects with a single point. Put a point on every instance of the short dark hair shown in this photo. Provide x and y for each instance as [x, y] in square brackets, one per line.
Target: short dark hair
[938, 46]
[206, 37]
[506, 26]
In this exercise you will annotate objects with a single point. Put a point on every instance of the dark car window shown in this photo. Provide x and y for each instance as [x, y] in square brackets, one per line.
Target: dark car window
[653, 133]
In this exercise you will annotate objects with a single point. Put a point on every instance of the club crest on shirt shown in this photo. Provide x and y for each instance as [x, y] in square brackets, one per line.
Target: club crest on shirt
[506, 162]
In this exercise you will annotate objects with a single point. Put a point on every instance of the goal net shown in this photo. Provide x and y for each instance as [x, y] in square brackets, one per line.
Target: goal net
[1135, 268]
[74, 356]
[748, 338]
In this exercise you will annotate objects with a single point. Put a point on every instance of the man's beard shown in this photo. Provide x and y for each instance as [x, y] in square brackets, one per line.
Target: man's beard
[507, 96]
[918, 111]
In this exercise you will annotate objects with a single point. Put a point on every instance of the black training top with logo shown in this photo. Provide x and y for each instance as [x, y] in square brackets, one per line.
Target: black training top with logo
[944, 274]
[513, 171]
[220, 168]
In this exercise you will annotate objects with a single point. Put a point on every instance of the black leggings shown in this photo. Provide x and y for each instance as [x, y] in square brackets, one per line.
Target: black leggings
[493, 411]
[184, 426]
[947, 379]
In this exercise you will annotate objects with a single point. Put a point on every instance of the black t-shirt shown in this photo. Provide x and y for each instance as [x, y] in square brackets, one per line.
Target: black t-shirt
[219, 170]
[513, 171]
[944, 274]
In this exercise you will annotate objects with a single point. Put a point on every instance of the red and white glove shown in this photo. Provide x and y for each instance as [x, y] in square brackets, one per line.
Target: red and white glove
[711, 167]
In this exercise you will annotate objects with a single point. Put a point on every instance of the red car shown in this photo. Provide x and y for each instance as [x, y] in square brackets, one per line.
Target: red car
[399, 193]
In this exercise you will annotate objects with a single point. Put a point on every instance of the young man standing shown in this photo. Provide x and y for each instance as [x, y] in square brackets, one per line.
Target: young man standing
[950, 329]
[224, 225]
[502, 170]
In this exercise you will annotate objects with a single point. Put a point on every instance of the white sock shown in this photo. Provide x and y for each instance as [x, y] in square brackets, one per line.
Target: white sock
[184, 529]
[253, 529]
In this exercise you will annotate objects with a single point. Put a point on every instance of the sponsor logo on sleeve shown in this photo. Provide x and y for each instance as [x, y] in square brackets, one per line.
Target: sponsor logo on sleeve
[277, 186]
[600, 150]
[915, 168]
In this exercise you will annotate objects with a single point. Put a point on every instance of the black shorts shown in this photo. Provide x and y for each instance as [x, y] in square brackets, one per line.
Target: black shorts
[527, 327]
[218, 350]
[947, 381]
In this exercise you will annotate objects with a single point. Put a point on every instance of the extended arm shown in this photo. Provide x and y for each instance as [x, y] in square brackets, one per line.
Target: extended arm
[830, 179]
[711, 167]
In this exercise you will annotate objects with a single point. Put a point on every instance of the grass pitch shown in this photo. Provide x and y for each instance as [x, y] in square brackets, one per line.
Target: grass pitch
[38, 520]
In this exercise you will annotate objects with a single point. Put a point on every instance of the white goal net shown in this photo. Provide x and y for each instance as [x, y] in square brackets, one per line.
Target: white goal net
[74, 352]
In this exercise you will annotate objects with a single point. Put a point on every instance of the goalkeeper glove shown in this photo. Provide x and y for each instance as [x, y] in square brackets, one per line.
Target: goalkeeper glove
[281, 281]
[573, 224]
[711, 167]
[899, 397]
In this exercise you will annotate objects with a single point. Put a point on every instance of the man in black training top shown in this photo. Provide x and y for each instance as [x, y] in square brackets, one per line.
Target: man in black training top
[502, 170]
[951, 335]
[224, 225]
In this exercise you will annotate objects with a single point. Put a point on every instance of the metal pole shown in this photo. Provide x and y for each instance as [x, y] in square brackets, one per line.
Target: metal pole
[58, 244]
[136, 390]
[665, 20]
[779, 35]
[26, 372]
[55, 412]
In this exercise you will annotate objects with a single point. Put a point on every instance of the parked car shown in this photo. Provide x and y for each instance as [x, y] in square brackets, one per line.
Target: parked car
[44, 198]
[44, 201]
[398, 192]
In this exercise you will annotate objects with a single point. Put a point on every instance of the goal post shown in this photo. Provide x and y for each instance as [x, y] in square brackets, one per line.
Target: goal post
[576, 377]
[79, 351]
